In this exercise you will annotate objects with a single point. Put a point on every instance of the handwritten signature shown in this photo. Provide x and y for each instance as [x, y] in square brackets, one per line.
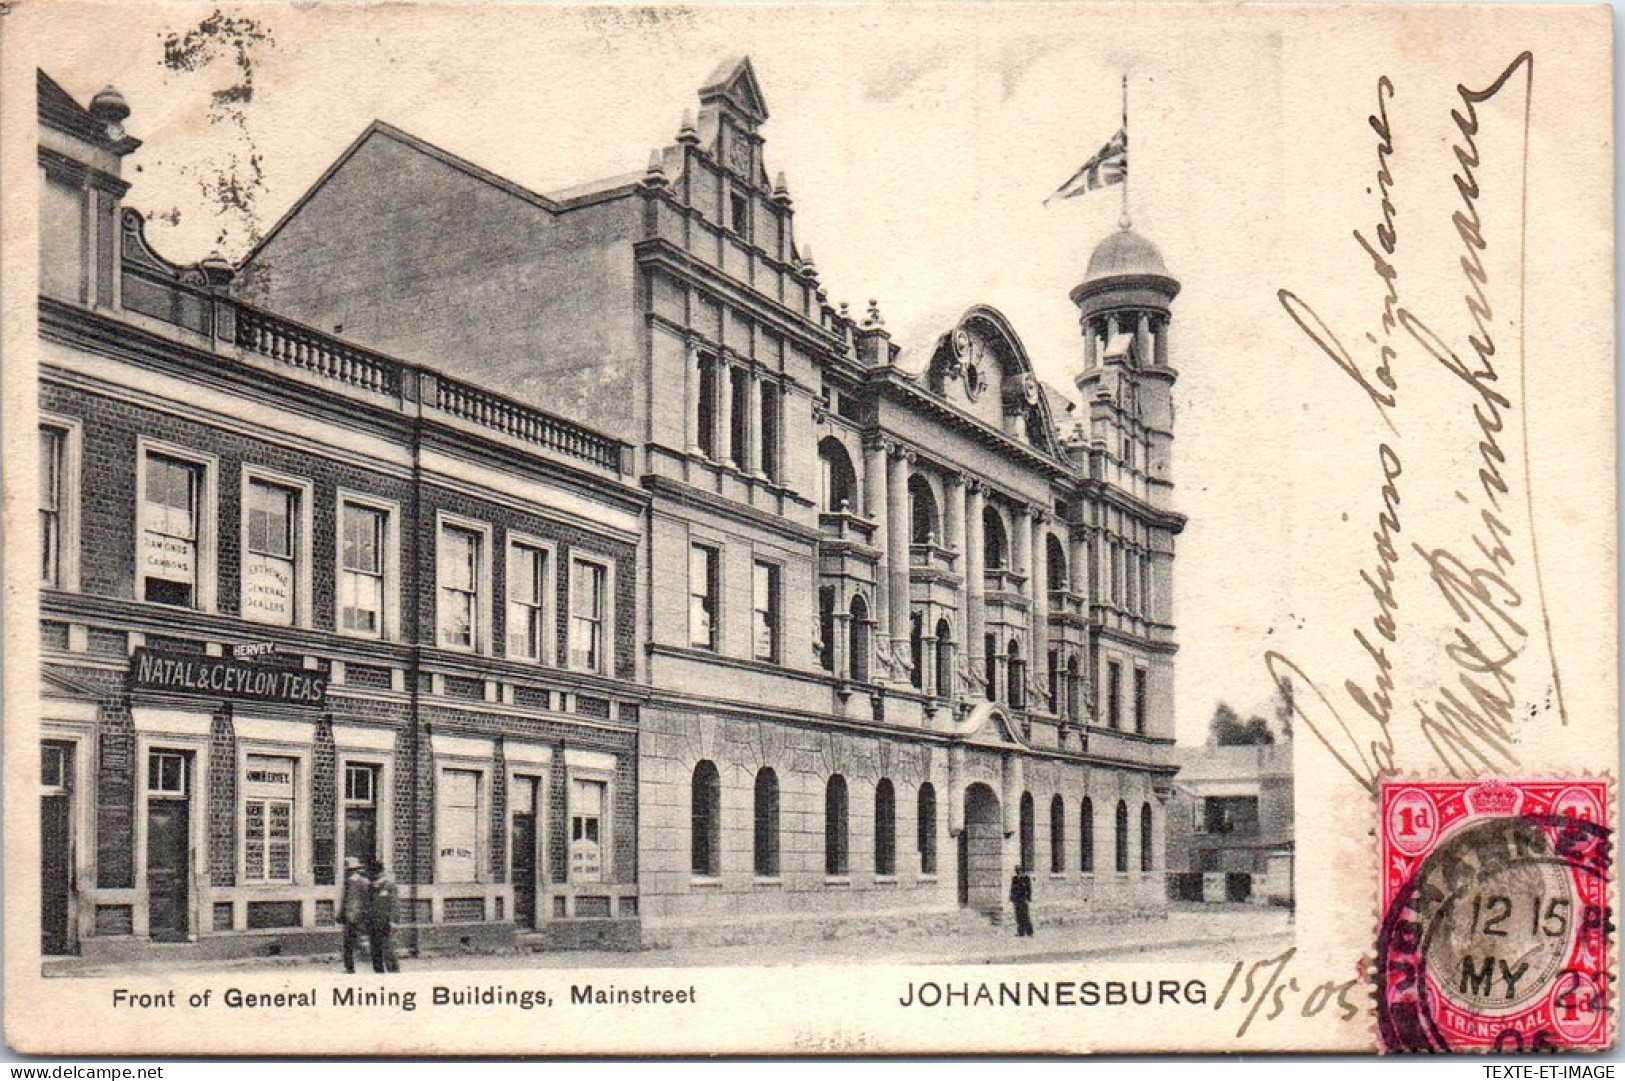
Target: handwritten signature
[1469, 721]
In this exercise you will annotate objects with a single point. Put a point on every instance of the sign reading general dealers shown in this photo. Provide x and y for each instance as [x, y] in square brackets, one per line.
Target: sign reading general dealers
[226, 677]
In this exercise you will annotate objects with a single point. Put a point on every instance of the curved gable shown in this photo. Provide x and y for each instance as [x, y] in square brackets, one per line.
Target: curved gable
[983, 369]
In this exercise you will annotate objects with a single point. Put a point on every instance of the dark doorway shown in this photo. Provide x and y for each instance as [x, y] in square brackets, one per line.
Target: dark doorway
[360, 812]
[168, 869]
[981, 852]
[524, 851]
[56, 847]
[1238, 886]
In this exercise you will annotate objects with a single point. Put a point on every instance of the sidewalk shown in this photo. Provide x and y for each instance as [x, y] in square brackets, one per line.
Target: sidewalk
[1188, 933]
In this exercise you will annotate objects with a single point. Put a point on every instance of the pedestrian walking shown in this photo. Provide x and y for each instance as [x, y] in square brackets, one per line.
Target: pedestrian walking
[381, 918]
[353, 905]
[1021, 896]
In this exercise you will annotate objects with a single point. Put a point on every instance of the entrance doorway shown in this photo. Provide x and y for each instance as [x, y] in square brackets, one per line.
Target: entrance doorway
[524, 802]
[56, 847]
[360, 812]
[169, 868]
[981, 852]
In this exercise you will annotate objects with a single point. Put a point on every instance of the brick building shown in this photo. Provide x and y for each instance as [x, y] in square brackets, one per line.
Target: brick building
[302, 600]
[1230, 825]
[888, 622]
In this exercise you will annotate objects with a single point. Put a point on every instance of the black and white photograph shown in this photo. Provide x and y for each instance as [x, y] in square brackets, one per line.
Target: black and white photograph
[492, 588]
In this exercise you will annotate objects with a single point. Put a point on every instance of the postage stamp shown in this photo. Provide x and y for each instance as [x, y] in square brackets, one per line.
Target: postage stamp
[1496, 930]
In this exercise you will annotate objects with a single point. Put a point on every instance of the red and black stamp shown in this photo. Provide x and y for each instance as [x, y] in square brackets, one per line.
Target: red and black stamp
[1496, 932]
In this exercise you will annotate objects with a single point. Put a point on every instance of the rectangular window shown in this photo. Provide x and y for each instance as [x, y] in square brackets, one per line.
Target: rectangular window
[528, 578]
[586, 831]
[1230, 814]
[587, 616]
[702, 596]
[770, 431]
[738, 420]
[268, 793]
[56, 766]
[1146, 608]
[705, 420]
[363, 532]
[360, 784]
[270, 557]
[1139, 700]
[765, 606]
[171, 526]
[166, 773]
[52, 455]
[1114, 694]
[460, 572]
[457, 825]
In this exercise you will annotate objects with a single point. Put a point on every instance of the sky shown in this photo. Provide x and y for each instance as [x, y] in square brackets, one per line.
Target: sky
[919, 144]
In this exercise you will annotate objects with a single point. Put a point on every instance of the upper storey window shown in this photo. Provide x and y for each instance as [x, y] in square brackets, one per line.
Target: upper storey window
[923, 511]
[995, 546]
[838, 481]
[175, 536]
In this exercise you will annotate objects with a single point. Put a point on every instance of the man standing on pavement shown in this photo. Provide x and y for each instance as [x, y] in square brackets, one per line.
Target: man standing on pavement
[1021, 896]
[381, 918]
[353, 904]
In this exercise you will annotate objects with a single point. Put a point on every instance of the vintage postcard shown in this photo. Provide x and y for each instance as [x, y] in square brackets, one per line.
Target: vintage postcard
[479, 583]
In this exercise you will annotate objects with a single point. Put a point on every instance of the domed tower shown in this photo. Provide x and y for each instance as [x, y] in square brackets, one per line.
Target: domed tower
[1127, 391]
[1126, 383]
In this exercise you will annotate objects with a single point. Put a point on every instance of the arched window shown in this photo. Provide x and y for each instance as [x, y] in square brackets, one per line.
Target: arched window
[885, 828]
[1122, 837]
[995, 548]
[945, 659]
[916, 650]
[1055, 563]
[857, 631]
[838, 481]
[767, 823]
[1057, 835]
[826, 629]
[1027, 853]
[1086, 836]
[925, 829]
[1016, 676]
[835, 831]
[990, 666]
[705, 840]
[1147, 853]
[922, 502]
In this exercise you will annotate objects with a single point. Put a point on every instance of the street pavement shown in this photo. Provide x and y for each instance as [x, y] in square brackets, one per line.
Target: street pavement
[1187, 933]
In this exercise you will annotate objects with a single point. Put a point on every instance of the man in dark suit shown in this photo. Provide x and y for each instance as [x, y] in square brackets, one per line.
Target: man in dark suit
[1021, 896]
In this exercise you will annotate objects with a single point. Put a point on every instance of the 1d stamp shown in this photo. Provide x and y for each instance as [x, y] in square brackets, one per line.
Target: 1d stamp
[1496, 929]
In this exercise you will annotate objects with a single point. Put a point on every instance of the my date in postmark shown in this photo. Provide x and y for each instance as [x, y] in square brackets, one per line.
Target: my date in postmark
[1496, 930]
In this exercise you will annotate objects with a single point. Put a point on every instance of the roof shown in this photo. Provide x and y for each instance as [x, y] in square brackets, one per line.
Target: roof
[1125, 253]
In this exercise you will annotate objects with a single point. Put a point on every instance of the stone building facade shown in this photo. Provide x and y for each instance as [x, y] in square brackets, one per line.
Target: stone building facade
[303, 601]
[900, 622]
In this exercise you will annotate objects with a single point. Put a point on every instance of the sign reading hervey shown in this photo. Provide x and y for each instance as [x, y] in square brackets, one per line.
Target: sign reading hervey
[226, 677]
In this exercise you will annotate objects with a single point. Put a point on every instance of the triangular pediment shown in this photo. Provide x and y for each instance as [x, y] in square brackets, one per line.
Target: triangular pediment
[735, 81]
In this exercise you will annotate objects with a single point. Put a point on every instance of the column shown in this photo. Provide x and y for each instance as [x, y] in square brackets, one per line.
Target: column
[953, 536]
[897, 544]
[875, 503]
[1162, 343]
[1090, 347]
[1078, 572]
[750, 455]
[726, 451]
[975, 581]
[1039, 667]
[1143, 348]
[1022, 561]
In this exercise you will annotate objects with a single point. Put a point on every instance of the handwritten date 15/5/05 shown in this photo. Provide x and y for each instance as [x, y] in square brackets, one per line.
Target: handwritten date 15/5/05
[1267, 986]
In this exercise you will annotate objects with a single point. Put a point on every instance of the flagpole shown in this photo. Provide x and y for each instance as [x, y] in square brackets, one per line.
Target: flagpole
[1123, 222]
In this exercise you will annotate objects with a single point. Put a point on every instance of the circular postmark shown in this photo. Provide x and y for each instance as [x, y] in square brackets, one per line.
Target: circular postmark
[1497, 939]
